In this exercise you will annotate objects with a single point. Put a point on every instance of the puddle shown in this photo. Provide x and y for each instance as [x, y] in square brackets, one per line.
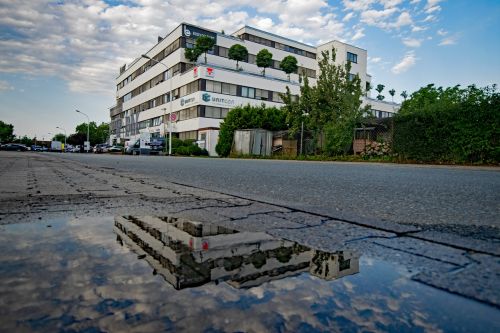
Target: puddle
[153, 274]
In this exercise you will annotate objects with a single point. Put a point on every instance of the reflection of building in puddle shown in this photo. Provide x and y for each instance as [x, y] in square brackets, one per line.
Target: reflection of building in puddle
[189, 254]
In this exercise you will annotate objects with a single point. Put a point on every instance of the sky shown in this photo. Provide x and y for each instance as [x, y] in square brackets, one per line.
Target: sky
[58, 56]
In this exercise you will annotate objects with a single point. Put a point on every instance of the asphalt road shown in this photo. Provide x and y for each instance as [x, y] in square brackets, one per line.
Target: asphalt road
[441, 197]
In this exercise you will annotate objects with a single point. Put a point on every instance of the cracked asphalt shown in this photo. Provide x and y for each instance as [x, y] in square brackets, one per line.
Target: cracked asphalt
[367, 207]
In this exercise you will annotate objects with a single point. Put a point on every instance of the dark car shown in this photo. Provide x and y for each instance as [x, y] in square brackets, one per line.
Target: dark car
[14, 147]
[157, 145]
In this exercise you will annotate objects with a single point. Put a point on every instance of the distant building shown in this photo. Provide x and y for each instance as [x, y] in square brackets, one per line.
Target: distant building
[201, 95]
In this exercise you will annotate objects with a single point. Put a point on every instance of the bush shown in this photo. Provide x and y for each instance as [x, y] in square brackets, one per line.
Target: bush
[187, 148]
[449, 125]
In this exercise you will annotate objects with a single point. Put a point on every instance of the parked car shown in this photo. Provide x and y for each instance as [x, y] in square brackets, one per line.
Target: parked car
[14, 147]
[135, 149]
[36, 148]
[157, 145]
[101, 148]
[115, 149]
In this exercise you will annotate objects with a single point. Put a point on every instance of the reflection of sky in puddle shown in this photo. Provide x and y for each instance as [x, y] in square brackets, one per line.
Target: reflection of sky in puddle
[76, 277]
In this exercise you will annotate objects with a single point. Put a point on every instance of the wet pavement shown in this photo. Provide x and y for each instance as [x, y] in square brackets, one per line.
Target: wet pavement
[151, 274]
[80, 251]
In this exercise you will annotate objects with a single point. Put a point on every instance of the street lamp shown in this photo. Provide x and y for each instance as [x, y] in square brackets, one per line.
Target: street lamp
[88, 129]
[65, 135]
[164, 109]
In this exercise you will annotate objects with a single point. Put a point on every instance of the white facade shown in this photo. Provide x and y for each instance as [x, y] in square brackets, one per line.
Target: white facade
[201, 95]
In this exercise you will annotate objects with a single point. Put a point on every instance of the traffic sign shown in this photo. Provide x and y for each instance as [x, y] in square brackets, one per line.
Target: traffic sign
[173, 117]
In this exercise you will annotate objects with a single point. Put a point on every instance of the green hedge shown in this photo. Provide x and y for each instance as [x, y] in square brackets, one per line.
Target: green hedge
[449, 125]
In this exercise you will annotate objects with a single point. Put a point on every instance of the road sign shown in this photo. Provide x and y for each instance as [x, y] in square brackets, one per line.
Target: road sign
[87, 145]
[173, 117]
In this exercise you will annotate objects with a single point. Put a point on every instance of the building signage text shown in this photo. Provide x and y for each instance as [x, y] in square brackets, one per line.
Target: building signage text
[220, 101]
[194, 32]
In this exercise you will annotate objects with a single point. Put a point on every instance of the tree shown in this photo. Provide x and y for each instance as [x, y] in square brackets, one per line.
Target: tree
[204, 44]
[6, 132]
[264, 59]
[379, 89]
[241, 117]
[392, 92]
[298, 107]
[368, 88]
[192, 54]
[289, 65]
[404, 94]
[237, 52]
[333, 105]
[58, 137]
[77, 138]
[97, 134]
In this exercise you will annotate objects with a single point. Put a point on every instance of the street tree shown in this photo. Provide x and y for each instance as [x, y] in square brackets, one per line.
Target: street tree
[6, 132]
[58, 137]
[392, 92]
[264, 59]
[192, 55]
[237, 52]
[333, 105]
[368, 88]
[97, 134]
[404, 94]
[289, 65]
[204, 44]
[379, 89]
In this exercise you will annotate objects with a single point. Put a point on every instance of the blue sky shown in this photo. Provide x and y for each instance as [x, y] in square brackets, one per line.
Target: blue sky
[58, 56]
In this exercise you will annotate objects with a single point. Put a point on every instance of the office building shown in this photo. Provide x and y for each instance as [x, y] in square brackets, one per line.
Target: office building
[200, 95]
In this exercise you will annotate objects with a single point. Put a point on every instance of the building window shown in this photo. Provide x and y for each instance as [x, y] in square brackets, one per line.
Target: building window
[248, 92]
[352, 76]
[223, 52]
[212, 112]
[352, 57]
[189, 135]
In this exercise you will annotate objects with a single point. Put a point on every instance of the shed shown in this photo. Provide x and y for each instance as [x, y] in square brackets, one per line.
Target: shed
[252, 142]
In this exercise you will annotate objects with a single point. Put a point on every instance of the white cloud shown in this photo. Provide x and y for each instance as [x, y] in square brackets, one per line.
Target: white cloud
[358, 5]
[433, 9]
[403, 19]
[377, 17]
[374, 60]
[348, 17]
[5, 86]
[390, 3]
[412, 42]
[429, 18]
[418, 29]
[451, 40]
[359, 34]
[442, 32]
[406, 63]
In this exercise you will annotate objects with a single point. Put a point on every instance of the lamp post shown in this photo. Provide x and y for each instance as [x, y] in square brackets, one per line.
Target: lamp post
[305, 114]
[164, 109]
[88, 129]
[65, 136]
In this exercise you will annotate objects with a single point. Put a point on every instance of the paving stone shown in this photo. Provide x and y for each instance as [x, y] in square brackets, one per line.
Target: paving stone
[425, 249]
[490, 247]
[241, 212]
[478, 280]
[259, 222]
